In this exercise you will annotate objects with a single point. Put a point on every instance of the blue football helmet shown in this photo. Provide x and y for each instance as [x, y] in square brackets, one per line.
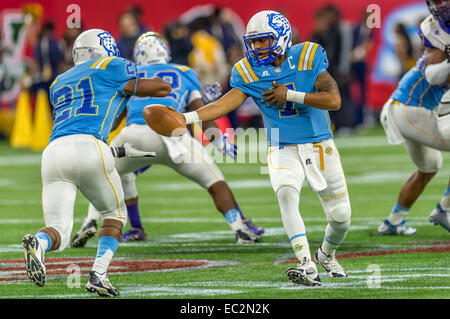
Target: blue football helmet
[440, 9]
[272, 25]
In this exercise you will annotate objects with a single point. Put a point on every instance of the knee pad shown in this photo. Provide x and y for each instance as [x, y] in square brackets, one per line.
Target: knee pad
[287, 193]
[337, 209]
[339, 227]
[432, 163]
[129, 185]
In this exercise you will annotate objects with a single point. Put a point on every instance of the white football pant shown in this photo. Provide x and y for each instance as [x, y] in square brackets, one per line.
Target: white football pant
[286, 169]
[79, 162]
[418, 128]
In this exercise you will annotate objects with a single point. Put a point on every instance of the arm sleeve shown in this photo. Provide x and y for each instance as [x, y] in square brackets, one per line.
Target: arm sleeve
[120, 72]
[320, 62]
[195, 87]
[194, 82]
[238, 81]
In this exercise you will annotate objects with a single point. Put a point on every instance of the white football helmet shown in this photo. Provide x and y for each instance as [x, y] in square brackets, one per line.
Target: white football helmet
[93, 44]
[151, 48]
[270, 24]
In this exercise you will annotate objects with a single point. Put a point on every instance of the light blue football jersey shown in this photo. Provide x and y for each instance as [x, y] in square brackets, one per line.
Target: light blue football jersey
[414, 89]
[88, 98]
[296, 123]
[182, 79]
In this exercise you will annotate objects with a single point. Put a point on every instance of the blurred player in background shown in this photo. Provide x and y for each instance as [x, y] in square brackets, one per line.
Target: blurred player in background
[293, 90]
[87, 99]
[185, 155]
[411, 116]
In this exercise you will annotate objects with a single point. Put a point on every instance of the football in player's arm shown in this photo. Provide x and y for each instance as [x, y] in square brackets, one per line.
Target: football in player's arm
[326, 98]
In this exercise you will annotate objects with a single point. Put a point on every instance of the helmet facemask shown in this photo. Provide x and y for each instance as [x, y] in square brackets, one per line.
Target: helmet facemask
[270, 27]
[441, 12]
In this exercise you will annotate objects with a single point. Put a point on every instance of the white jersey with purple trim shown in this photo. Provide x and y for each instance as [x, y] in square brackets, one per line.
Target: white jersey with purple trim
[433, 35]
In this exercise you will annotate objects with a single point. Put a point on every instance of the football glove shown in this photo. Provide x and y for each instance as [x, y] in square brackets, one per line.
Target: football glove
[126, 150]
[211, 92]
[226, 147]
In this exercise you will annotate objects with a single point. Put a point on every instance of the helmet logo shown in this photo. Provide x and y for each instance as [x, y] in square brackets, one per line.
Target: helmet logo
[106, 41]
[279, 23]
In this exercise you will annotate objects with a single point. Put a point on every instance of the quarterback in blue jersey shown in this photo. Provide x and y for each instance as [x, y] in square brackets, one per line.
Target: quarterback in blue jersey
[185, 155]
[294, 92]
[417, 115]
[87, 100]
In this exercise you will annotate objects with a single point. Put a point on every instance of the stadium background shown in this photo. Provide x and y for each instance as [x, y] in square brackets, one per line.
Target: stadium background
[181, 221]
[383, 65]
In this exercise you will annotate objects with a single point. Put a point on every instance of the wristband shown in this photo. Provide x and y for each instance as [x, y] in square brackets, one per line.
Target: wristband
[191, 117]
[296, 97]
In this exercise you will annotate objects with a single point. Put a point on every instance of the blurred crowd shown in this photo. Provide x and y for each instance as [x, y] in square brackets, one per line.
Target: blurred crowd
[210, 41]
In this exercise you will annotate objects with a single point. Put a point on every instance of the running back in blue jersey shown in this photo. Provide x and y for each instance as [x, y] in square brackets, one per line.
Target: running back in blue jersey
[88, 98]
[183, 80]
[414, 89]
[296, 123]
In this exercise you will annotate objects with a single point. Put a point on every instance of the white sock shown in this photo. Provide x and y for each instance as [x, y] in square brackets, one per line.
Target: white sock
[288, 200]
[334, 236]
[233, 218]
[398, 214]
[445, 200]
[93, 213]
[101, 264]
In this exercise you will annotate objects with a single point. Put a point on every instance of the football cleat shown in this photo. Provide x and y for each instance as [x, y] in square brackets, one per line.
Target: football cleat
[245, 236]
[87, 230]
[304, 274]
[34, 260]
[386, 228]
[253, 228]
[100, 284]
[330, 264]
[134, 234]
[440, 217]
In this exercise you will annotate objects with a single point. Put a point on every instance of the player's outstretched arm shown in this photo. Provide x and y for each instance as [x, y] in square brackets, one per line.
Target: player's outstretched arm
[213, 133]
[155, 87]
[212, 111]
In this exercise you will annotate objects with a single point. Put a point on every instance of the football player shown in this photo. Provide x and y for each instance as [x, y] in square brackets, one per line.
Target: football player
[294, 92]
[410, 116]
[86, 99]
[185, 155]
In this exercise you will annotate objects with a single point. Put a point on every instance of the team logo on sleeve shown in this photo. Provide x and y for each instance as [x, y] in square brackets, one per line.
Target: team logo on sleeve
[107, 42]
[279, 23]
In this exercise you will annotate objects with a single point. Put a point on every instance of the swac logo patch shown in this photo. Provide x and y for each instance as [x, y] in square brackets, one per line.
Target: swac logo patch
[298, 247]
[106, 41]
[328, 151]
[279, 23]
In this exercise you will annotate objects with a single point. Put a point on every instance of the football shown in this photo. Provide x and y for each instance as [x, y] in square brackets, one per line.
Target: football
[164, 120]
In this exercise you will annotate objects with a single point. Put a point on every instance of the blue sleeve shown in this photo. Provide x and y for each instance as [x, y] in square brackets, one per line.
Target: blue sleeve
[320, 62]
[237, 82]
[121, 71]
[194, 82]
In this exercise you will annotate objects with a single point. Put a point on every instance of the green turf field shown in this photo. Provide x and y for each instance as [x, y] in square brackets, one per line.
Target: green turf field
[183, 224]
